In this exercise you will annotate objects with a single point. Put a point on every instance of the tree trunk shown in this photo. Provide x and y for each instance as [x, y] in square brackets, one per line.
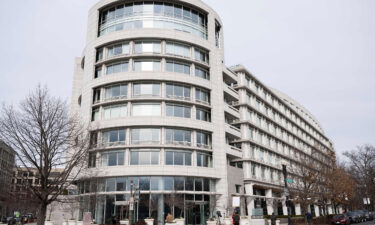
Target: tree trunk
[42, 214]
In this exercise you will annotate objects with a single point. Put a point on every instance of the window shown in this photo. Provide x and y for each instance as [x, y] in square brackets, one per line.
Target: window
[116, 92]
[146, 109]
[204, 160]
[98, 72]
[145, 135]
[217, 34]
[113, 137]
[117, 68]
[177, 49]
[238, 189]
[177, 158]
[150, 65]
[92, 160]
[201, 55]
[202, 96]
[203, 114]
[113, 158]
[202, 73]
[178, 111]
[147, 47]
[176, 136]
[203, 139]
[178, 67]
[144, 157]
[115, 111]
[178, 91]
[95, 114]
[118, 49]
[99, 54]
[146, 89]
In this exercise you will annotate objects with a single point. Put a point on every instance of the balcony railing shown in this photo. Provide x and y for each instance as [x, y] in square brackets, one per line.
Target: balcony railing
[182, 143]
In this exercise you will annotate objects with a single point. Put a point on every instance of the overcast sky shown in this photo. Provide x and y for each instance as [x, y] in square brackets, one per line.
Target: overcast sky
[319, 52]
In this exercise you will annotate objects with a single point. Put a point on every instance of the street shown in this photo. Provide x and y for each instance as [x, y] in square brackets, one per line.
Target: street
[366, 223]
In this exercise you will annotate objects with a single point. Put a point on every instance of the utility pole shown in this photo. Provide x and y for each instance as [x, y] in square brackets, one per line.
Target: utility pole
[286, 191]
[131, 204]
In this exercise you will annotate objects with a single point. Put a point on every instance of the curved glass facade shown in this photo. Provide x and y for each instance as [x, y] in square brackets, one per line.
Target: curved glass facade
[153, 15]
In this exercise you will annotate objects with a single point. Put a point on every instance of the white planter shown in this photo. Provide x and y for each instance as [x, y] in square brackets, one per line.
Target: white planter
[211, 222]
[149, 221]
[72, 222]
[124, 222]
[48, 222]
[180, 221]
[170, 223]
[244, 221]
[228, 221]
[79, 222]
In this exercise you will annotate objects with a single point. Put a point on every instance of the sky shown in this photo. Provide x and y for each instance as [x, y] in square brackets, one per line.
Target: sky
[319, 52]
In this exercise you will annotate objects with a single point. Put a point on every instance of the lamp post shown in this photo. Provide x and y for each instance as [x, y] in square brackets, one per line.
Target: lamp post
[286, 191]
[134, 196]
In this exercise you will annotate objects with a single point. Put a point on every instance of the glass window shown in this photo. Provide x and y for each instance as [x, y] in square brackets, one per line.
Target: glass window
[110, 184]
[117, 68]
[198, 184]
[99, 54]
[204, 160]
[121, 184]
[177, 91]
[98, 72]
[202, 73]
[118, 49]
[202, 95]
[92, 160]
[146, 109]
[189, 184]
[203, 114]
[117, 91]
[145, 135]
[179, 183]
[114, 137]
[155, 183]
[173, 48]
[201, 55]
[178, 67]
[203, 139]
[144, 157]
[178, 111]
[151, 65]
[146, 89]
[113, 158]
[168, 183]
[95, 114]
[115, 111]
[144, 183]
[147, 47]
[178, 158]
[177, 136]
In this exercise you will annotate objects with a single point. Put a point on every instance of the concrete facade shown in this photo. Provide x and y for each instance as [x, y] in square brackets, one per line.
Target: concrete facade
[159, 121]
[7, 162]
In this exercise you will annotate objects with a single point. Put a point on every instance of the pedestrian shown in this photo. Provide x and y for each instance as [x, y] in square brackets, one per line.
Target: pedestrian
[236, 218]
[309, 218]
[273, 219]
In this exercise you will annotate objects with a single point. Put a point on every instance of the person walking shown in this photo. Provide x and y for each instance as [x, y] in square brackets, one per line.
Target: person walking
[309, 218]
[236, 218]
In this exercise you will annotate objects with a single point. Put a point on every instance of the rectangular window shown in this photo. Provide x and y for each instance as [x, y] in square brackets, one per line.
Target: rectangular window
[178, 49]
[204, 160]
[178, 111]
[144, 157]
[146, 109]
[98, 72]
[145, 136]
[178, 91]
[202, 73]
[203, 114]
[113, 158]
[201, 55]
[118, 49]
[177, 158]
[116, 92]
[203, 139]
[99, 54]
[147, 47]
[202, 96]
[144, 66]
[95, 114]
[115, 111]
[92, 160]
[178, 67]
[114, 137]
[117, 68]
[146, 89]
[177, 136]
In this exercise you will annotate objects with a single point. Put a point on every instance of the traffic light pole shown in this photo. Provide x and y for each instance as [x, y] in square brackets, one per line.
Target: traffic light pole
[286, 192]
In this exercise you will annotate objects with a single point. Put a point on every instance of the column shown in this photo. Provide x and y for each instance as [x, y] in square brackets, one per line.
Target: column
[285, 208]
[316, 208]
[250, 200]
[298, 209]
[269, 201]
[330, 210]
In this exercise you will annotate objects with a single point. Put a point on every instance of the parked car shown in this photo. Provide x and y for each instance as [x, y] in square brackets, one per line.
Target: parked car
[354, 217]
[363, 215]
[372, 215]
[341, 219]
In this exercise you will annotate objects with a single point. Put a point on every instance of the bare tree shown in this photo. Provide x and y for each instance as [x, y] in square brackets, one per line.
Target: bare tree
[45, 137]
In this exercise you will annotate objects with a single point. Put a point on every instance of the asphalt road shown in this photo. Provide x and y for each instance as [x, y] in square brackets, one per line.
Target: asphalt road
[365, 223]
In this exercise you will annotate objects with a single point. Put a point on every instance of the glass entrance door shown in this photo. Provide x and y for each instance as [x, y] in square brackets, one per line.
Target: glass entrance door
[196, 214]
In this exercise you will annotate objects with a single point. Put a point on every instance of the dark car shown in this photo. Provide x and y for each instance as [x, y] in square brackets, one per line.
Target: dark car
[340, 219]
[372, 215]
[354, 217]
[364, 216]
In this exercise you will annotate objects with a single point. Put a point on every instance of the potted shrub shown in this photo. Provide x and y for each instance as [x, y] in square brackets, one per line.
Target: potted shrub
[180, 221]
[124, 222]
[169, 220]
[211, 221]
